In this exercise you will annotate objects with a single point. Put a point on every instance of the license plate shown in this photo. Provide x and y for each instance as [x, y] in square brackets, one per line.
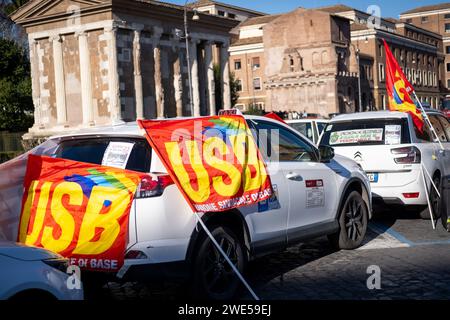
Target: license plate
[373, 177]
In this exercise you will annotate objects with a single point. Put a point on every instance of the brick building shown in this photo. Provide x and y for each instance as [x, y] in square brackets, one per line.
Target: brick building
[435, 18]
[418, 51]
[295, 62]
[100, 62]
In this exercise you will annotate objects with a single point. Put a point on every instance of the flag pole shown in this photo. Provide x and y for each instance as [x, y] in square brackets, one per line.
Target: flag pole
[428, 122]
[430, 208]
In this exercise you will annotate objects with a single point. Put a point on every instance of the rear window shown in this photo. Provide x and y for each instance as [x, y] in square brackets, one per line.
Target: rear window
[93, 150]
[367, 132]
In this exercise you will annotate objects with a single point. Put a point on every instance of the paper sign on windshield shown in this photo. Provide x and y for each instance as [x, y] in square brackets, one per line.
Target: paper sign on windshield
[78, 210]
[214, 161]
[393, 134]
[356, 136]
[117, 154]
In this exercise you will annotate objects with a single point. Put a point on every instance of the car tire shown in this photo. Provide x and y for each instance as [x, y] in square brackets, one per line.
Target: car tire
[435, 201]
[214, 279]
[353, 221]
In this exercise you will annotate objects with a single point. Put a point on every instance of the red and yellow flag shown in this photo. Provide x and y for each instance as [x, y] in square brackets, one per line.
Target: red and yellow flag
[399, 90]
[78, 210]
[214, 161]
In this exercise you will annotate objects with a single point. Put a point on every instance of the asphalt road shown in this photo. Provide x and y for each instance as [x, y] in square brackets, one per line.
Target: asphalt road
[412, 258]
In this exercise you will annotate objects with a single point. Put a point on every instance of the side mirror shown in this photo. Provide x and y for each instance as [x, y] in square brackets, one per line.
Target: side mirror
[326, 153]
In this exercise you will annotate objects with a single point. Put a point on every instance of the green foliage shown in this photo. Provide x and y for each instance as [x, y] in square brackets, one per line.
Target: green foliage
[16, 104]
[254, 110]
[12, 5]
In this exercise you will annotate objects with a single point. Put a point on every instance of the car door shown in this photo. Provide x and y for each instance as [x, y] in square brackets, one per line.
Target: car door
[311, 184]
[267, 220]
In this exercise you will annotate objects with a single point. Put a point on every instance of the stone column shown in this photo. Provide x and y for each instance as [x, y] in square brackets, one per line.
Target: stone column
[194, 76]
[225, 70]
[60, 88]
[209, 63]
[36, 90]
[138, 75]
[113, 77]
[159, 90]
[178, 85]
[86, 80]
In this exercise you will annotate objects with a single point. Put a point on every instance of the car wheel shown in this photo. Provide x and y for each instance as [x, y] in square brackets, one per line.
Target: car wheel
[435, 201]
[353, 220]
[214, 278]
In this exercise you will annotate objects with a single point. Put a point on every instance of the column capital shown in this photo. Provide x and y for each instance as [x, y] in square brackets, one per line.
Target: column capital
[81, 33]
[56, 37]
[111, 29]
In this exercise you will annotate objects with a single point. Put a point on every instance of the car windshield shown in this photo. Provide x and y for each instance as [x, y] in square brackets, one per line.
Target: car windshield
[366, 132]
[92, 150]
[304, 128]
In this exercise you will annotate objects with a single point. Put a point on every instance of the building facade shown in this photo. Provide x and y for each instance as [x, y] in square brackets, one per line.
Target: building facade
[225, 10]
[103, 62]
[418, 51]
[435, 18]
[296, 62]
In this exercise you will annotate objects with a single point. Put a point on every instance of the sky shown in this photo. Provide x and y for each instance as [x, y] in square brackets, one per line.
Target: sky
[389, 8]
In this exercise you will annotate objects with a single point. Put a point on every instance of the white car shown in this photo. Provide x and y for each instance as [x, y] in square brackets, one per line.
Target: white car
[34, 274]
[310, 128]
[391, 151]
[317, 194]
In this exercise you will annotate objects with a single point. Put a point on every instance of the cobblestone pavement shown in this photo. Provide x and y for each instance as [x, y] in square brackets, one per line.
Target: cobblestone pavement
[413, 258]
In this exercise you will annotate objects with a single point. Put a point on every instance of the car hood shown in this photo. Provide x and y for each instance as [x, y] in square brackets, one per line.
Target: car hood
[25, 253]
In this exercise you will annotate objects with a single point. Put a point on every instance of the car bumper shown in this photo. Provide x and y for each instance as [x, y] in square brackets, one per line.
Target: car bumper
[395, 195]
[159, 259]
[156, 272]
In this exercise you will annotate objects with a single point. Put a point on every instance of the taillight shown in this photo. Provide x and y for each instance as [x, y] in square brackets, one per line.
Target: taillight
[407, 155]
[153, 186]
[412, 195]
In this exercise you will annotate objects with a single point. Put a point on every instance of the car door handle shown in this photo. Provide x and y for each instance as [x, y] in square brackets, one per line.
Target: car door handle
[294, 177]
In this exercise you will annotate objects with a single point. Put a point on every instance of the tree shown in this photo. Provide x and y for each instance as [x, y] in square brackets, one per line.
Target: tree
[12, 5]
[8, 29]
[16, 103]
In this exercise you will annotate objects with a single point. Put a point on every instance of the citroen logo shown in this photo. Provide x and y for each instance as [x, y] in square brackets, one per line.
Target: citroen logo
[358, 156]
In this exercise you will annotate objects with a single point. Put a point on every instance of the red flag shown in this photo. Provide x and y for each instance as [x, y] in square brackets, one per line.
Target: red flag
[214, 161]
[399, 90]
[78, 210]
[274, 116]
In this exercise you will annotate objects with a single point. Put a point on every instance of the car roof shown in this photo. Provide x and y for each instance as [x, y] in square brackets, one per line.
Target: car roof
[307, 120]
[131, 129]
[369, 115]
[379, 115]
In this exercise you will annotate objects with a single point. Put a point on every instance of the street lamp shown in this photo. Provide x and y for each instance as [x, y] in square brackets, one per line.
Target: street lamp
[195, 17]
[357, 52]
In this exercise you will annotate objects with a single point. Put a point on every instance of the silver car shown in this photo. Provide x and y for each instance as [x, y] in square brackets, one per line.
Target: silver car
[34, 274]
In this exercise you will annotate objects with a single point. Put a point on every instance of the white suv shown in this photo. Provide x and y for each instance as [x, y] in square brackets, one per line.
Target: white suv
[317, 194]
[391, 151]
